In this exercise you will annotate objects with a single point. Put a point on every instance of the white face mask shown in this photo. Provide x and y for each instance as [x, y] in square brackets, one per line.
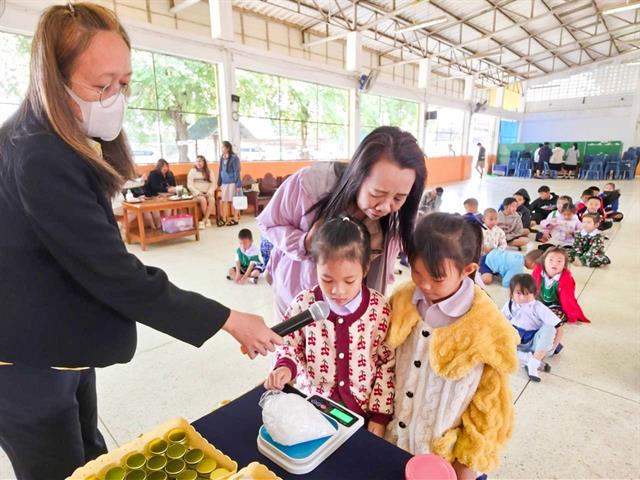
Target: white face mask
[99, 121]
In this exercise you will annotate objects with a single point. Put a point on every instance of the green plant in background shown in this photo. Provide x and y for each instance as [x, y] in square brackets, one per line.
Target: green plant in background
[177, 89]
[15, 73]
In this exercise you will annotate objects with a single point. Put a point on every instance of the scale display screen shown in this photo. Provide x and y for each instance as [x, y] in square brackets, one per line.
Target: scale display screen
[334, 411]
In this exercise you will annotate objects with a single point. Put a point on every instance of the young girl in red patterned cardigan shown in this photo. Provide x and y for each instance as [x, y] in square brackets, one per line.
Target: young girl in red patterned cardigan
[345, 356]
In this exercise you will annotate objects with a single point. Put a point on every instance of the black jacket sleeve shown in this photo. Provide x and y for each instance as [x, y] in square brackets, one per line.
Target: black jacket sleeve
[156, 183]
[171, 179]
[60, 198]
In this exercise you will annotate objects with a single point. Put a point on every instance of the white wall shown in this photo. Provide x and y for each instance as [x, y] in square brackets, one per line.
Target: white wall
[602, 124]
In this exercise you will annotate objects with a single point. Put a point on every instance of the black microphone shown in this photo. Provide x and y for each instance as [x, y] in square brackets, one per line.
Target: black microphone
[316, 312]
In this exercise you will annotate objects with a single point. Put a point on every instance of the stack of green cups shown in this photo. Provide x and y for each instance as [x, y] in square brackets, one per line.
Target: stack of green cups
[170, 458]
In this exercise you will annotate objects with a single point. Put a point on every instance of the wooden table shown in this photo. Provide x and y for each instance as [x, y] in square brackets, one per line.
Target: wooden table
[144, 237]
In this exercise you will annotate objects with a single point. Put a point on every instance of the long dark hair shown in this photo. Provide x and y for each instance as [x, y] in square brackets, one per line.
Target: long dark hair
[161, 163]
[231, 153]
[440, 236]
[205, 168]
[342, 238]
[397, 146]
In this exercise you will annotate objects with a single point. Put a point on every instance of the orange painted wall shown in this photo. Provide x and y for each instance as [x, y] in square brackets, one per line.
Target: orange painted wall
[448, 169]
[440, 169]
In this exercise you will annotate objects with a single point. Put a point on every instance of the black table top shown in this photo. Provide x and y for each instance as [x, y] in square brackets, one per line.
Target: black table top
[233, 429]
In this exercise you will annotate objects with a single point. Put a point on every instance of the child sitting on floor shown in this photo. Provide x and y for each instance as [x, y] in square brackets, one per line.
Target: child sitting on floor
[493, 236]
[344, 357]
[504, 263]
[543, 205]
[454, 352]
[594, 205]
[471, 209]
[431, 201]
[522, 197]
[536, 324]
[611, 202]
[588, 248]
[248, 266]
[560, 231]
[511, 223]
[557, 287]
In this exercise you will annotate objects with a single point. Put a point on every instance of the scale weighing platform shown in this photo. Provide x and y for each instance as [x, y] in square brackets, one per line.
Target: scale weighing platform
[304, 457]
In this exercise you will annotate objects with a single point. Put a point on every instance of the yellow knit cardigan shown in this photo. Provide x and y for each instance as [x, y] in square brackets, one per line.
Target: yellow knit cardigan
[482, 335]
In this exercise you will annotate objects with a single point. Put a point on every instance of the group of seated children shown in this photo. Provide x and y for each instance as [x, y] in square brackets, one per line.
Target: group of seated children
[248, 265]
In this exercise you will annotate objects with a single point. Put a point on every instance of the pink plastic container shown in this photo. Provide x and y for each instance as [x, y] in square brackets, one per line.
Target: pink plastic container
[177, 223]
[429, 467]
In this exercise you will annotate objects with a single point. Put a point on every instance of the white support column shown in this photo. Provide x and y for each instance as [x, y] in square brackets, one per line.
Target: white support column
[229, 128]
[354, 120]
[353, 53]
[634, 124]
[424, 73]
[424, 78]
[221, 15]
[469, 87]
[422, 125]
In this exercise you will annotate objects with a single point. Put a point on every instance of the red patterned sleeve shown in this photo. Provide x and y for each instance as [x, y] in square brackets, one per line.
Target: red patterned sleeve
[383, 390]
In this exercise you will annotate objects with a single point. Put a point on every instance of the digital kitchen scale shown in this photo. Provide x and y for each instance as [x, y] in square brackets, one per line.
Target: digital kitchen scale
[304, 457]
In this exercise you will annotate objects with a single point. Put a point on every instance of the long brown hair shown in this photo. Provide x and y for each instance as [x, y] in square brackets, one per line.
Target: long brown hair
[205, 168]
[62, 35]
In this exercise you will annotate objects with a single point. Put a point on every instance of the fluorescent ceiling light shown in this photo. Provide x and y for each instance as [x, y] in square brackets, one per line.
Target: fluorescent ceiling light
[633, 64]
[418, 26]
[622, 8]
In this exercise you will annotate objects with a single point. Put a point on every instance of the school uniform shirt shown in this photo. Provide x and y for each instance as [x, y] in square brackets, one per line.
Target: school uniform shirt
[530, 316]
[563, 232]
[505, 263]
[245, 257]
[572, 156]
[344, 357]
[493, 238]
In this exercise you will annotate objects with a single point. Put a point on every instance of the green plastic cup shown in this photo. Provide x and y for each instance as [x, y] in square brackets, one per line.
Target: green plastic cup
[177, 435]
[219, 473]
[187, 475]
[116, 473]
[175, 467]
[135, 461]
[176, 451]
[193, 457]
[206, 466]
[159, 475]
[156, 463]
[136, 475]
[157, 446]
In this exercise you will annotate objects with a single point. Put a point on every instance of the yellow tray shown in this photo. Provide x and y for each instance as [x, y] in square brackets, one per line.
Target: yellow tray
[114, 458]
[255, 471]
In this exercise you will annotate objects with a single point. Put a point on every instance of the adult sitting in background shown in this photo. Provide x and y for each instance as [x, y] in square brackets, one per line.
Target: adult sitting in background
[431, 201]
[571, 163]
[160, 180]
[202, 186]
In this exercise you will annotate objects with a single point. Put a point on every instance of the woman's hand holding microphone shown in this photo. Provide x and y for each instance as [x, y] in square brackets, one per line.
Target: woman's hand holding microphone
[251, 333]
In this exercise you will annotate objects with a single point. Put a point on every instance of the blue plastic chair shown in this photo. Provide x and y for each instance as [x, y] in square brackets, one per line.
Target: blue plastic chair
[628, 169]
[611, 170]
[547, 172]
[512, 166]
[594, 170]
[525, 168]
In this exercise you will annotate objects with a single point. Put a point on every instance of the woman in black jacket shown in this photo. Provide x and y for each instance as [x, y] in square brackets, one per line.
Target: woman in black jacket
[160, 180]
[70, 292]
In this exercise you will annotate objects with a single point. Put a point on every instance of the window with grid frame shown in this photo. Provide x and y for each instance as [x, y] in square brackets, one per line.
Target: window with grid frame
[286, 119]
[376, 111]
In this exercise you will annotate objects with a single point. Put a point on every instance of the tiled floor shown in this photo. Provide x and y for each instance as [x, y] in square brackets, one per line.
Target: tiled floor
[582, 421]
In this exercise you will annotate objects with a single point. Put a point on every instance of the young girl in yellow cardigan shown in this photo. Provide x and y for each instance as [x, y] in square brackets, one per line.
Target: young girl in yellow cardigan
[454, 352]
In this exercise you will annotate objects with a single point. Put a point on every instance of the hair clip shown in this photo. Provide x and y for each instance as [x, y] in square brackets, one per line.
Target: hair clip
[72, 9]
[346, 219]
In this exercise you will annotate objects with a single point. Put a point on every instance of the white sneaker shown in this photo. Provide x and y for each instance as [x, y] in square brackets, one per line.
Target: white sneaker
[207, 223]
[201, 225]
[532, 369]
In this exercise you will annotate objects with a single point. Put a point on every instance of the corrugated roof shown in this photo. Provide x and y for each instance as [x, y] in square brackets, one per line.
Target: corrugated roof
[517, 38]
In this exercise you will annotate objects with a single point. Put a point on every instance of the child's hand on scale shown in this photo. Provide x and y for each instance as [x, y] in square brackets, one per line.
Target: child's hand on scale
[376, 428]
[278, 378]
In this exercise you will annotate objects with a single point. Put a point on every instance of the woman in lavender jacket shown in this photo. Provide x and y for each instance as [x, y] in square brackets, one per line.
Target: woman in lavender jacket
[381, 186]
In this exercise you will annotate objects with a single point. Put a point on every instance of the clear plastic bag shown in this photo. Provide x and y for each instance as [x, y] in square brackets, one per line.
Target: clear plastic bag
[290, 419]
